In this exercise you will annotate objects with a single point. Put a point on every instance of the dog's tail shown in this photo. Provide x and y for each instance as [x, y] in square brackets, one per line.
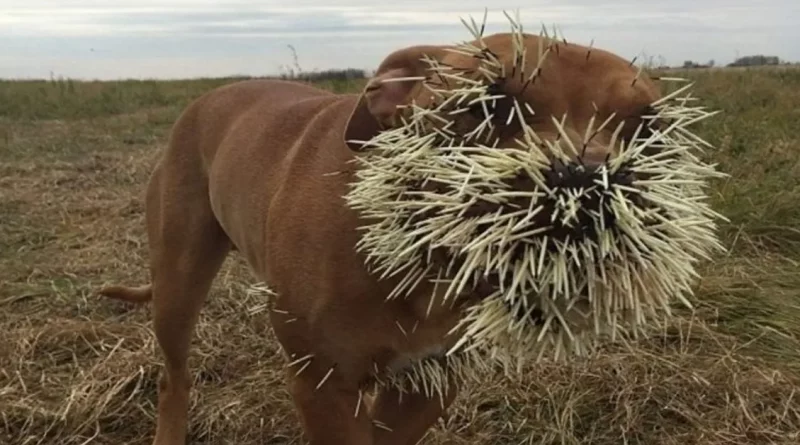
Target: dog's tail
[141, 294]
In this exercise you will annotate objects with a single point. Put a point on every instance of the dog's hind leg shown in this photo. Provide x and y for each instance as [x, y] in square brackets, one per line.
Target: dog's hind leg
[187, 248]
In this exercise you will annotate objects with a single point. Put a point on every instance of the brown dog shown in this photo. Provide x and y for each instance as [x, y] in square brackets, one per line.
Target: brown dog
[253, 167]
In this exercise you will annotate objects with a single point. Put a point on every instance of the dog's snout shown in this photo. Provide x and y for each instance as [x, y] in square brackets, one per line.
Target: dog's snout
[591, 153]
[594, 154]
[591, 164]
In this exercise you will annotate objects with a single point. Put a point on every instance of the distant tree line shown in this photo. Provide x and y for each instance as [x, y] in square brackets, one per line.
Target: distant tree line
[326, 75]
[693, 64]
[754, 60]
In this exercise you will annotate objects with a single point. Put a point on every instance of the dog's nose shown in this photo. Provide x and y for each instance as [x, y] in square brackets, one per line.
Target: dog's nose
[573, 174]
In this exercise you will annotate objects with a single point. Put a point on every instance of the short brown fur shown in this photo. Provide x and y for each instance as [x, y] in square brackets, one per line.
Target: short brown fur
[261, 166]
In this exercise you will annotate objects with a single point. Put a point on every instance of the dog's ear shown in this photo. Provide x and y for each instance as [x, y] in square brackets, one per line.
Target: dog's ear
[393, 85]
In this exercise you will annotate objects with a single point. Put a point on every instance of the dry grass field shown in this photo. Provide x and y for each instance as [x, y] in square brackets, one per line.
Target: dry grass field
[77, 369]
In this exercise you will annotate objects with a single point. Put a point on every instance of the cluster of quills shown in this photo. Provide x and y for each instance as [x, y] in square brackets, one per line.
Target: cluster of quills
[562, 254]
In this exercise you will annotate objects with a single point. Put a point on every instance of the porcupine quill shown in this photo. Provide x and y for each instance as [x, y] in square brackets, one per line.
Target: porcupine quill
[570, 252]
[325, 377]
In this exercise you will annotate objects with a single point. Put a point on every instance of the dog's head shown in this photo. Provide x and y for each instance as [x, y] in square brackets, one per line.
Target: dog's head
[550, 180]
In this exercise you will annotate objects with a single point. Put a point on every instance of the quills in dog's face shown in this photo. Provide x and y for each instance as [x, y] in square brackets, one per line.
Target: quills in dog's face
[567, 248]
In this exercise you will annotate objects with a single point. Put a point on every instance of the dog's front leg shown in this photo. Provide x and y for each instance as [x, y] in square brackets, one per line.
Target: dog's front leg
[332, 412]
[404, 420]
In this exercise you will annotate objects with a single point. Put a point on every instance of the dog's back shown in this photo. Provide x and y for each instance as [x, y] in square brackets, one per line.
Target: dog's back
[240, 149]
[249, 138]
[274, 112]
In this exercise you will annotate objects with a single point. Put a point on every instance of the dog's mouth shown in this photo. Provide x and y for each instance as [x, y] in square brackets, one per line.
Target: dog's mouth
[573, 215]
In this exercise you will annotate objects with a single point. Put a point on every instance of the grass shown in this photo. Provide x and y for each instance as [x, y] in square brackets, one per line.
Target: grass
[74, 369]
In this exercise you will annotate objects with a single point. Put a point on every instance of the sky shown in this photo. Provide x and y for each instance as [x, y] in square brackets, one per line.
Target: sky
[113, 39]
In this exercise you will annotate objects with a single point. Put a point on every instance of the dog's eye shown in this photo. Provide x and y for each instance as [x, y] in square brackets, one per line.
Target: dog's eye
[476, 110]
[494, 89]
[652, 122]
[480, 109]
[647, 120]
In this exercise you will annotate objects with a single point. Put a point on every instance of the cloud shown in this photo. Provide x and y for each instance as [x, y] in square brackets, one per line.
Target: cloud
[153, 38]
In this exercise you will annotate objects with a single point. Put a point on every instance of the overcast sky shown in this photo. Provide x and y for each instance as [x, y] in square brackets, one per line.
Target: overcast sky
[109, 39]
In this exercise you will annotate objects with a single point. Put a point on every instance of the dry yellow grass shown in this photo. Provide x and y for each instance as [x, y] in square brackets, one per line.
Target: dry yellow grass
[76, 369]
